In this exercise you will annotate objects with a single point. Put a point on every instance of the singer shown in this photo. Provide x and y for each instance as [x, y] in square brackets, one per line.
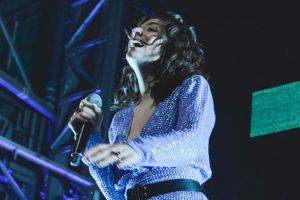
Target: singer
[159, 137]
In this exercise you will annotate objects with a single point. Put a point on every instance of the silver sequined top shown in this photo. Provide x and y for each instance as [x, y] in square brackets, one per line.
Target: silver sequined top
[172, 145]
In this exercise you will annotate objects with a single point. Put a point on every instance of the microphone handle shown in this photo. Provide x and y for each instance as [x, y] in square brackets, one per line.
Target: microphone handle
[80, 144]
[85, 131]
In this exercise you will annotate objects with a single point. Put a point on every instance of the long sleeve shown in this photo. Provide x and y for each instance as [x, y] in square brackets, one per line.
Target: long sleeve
[104, 177]
[188, 142]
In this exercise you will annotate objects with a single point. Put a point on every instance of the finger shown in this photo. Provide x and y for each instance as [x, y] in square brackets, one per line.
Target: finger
[123, 155]
[94, 107]
[92, 114]
[87, 114]
[78, 119]
[88, 110]
[99, 147]
[116, 151]
[75, 113]
[126, 161]
[84, 113]
[79, 109]
[84, 102]
[121, 151]
[119, 148]
[107, 161]
[100, 155]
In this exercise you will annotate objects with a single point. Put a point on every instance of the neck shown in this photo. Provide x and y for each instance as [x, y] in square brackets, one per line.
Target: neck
[143, 77]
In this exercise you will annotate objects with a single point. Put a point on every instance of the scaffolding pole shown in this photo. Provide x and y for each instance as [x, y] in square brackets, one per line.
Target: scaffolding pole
[85, 23]
[12, 181]
[14, 54]
[23, 94]
[43, 162]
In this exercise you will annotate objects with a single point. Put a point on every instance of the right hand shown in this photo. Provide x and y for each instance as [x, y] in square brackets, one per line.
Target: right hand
[86, 113]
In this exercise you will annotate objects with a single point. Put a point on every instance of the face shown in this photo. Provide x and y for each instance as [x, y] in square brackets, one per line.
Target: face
[144, 47]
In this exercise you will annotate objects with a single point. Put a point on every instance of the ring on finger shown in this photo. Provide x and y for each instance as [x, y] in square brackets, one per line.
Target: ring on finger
[98, 165]
[117, 154]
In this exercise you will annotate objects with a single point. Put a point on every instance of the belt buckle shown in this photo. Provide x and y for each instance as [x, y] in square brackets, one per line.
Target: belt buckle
[142, 192]
[139, 192]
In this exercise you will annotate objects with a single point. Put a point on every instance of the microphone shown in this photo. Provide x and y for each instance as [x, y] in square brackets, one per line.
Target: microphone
[84, 134]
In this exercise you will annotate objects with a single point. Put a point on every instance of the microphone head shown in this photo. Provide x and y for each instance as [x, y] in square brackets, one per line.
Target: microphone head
[95, 99]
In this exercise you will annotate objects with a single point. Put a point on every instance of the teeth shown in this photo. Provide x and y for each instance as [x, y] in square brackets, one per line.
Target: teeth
[137, 43]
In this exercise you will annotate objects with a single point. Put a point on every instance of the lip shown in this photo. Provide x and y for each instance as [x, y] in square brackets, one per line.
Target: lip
[136, 43]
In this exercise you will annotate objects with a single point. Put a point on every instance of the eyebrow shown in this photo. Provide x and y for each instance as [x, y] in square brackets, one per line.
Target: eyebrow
[153, 23]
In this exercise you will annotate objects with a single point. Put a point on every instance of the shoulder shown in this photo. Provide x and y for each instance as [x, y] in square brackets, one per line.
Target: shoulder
[118, 121]
[124, 112]
[193, 82]
[195, 91]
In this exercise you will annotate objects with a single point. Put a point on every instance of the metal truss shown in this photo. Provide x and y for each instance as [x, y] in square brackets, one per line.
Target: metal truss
[19, 151]
[42, 120]
[73, 49]
[15, 54]
[12, 181]
[23, 91]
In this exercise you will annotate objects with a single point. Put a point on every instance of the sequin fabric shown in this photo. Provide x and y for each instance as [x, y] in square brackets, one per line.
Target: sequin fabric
[173, 144]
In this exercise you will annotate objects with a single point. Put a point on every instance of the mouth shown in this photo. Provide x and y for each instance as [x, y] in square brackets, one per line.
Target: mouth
[136, 43]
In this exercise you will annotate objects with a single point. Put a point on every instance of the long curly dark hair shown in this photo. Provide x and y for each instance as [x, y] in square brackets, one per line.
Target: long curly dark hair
[181, 56]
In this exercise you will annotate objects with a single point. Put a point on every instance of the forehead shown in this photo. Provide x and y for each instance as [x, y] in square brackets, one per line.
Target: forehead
[151, 21]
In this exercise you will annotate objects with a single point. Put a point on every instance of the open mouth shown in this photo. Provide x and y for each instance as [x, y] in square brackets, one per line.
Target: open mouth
[137, 43]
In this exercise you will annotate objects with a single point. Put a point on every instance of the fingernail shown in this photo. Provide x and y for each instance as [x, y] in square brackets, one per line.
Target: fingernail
[87, 156]
[98, 165]
[119, 166]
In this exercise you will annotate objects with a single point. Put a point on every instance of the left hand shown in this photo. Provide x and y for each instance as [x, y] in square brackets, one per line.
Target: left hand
[106, 154]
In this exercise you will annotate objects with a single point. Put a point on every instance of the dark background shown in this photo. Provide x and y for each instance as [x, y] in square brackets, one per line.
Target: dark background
[249, 46]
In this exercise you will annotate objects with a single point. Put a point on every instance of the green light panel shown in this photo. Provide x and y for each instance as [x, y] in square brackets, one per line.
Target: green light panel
[275, 109]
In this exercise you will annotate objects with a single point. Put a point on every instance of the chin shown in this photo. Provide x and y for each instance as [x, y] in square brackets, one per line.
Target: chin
[131, 61]
[129, 57]
[133, 57]
[130, 54]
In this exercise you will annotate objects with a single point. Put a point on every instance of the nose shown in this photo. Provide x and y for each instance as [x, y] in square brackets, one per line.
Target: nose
[137, 31]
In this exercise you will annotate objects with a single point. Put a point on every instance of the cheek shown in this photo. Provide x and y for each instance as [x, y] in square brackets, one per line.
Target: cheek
[155, 53]
[157, 49]
[150, 38]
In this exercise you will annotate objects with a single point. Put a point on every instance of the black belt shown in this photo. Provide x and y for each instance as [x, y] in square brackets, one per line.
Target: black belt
[142, 192]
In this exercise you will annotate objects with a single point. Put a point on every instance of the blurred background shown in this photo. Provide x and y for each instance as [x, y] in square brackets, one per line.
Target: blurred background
[53, 53]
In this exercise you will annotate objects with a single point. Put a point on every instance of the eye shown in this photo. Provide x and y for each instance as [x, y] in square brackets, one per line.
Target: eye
[152, 29]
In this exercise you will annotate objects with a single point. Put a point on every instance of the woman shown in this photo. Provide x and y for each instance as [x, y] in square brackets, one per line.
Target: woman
[158, 139]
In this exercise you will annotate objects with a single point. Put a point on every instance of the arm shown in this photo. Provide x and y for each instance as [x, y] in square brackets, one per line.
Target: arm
[103, 176]
[189, 140]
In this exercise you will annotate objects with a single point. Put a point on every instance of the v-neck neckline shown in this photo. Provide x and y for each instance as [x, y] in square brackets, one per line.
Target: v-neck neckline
[132, 109]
